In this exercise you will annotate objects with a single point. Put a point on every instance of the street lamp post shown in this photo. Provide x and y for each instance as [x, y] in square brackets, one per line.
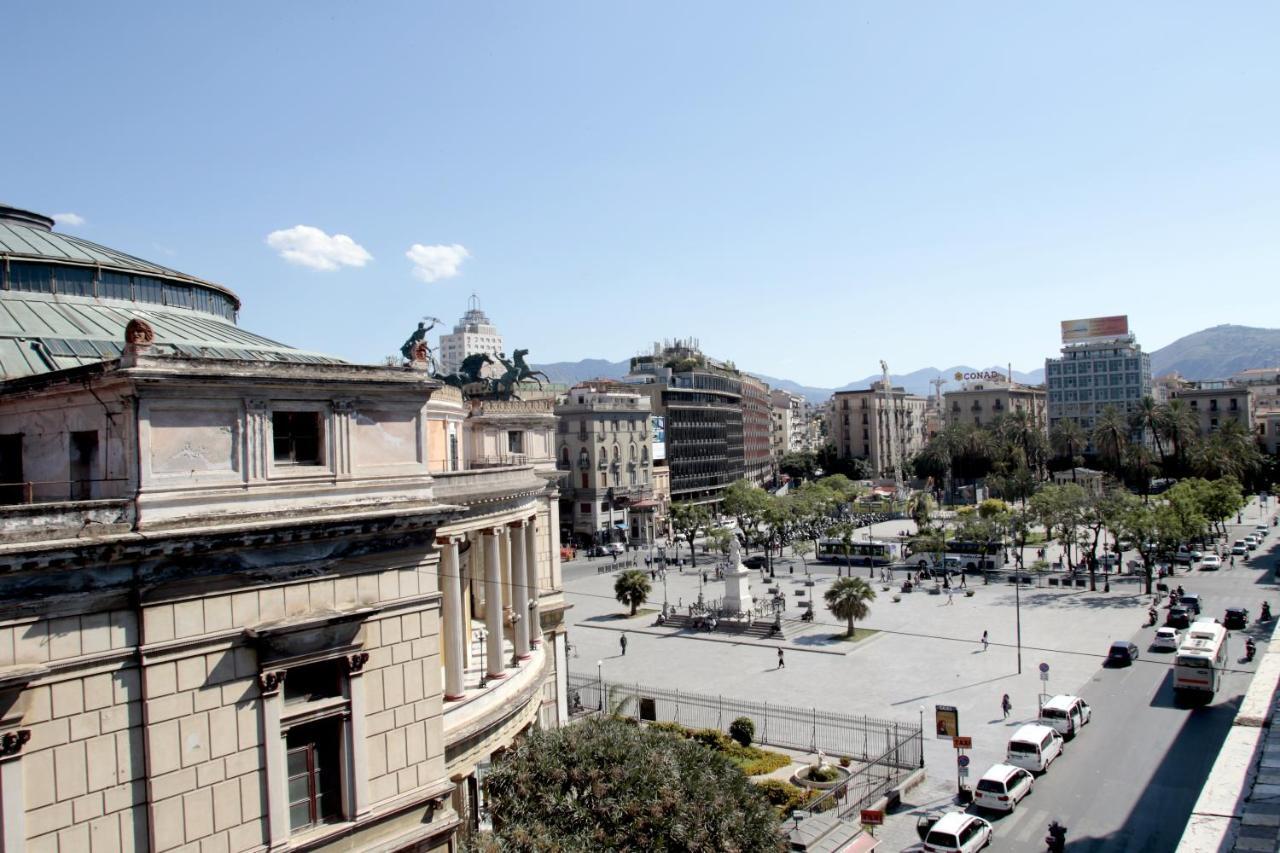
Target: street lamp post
[600, 682]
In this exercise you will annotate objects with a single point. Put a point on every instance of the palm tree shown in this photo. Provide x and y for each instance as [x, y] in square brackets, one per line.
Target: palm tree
[1180, 425]
[1110, 435]
[850, 599]
[1068, 441]
[632, 588]
[1148, 416]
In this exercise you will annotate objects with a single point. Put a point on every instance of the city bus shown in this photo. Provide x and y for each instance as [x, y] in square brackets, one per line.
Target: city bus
[877, 552]
[1202, 659]
[972, 556]
[965, 556]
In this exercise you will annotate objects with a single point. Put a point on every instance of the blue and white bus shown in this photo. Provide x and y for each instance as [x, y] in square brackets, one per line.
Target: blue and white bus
[876, 552]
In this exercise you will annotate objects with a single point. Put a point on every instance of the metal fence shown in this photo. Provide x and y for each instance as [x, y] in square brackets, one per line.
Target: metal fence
[889, 744]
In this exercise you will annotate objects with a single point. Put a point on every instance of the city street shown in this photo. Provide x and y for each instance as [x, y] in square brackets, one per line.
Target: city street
[1128, 782]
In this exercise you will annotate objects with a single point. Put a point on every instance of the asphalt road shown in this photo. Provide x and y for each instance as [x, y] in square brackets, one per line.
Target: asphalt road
[1129, 780]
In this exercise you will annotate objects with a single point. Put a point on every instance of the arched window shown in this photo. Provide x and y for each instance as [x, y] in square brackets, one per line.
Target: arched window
[644, 456]
[633, 453]
[584, 461]
[564, 456]
[617, 453]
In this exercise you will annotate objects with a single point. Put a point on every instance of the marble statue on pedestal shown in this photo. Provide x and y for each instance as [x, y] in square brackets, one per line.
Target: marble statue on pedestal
[737, 589]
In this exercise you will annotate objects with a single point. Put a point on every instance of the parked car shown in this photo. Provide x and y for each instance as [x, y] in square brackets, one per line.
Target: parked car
[1178, 618]
[1251, 542]
[1238, 548]
[755, 561]
[1236, 618]
[1067, 714]
[1166, 639]
[1191, 601]
[1122, 653]
[958, 832]
[1210, 563]
[1034, 747]
[1261, 530]
[1002, 787]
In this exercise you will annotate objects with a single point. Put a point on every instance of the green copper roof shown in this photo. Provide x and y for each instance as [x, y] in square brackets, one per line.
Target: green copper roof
[65, 302]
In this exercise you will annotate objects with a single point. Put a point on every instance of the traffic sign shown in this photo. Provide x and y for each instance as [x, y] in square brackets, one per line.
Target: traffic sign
[1044, 676]
[872, 817]
[964, 771]
[962, 760]
[962, 742]
[1044, 667]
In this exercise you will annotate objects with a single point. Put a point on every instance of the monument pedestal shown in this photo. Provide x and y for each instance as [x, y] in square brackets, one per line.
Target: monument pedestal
[737, 589]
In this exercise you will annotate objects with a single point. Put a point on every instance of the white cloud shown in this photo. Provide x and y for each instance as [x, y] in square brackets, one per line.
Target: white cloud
[308, 246]
[432, 263]
[72, 219]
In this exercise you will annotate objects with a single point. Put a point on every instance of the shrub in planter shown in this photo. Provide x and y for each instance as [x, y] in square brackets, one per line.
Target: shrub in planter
[672, 728]
[786, 797]
[743, 730]
[762, 761]
[845, 761]
[822, 773]
[713, 738]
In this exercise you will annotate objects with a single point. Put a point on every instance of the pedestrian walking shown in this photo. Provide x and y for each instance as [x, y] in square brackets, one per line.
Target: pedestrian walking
[622, 641]
[951, 596]
[782, 664]
[1006, 706]
[963, 583]
[984, 641]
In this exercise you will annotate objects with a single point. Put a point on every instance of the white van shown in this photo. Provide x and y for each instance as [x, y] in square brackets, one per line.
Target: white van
[1033, 747]
[1002, 787]
[1066, 714]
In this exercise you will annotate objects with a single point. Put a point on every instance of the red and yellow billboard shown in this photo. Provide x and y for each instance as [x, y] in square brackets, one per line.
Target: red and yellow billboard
[1074, 331]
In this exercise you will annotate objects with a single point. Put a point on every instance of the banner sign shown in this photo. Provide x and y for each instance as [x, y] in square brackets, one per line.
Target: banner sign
[1074, 331]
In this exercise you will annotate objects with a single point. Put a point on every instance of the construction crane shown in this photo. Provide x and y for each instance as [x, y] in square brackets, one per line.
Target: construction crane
[886, 388]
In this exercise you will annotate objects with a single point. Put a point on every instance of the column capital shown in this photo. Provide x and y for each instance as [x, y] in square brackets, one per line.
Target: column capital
[494, 531]
[11, 743]
[354, 663]
[451, 539]
[517, 525]
[271, 682]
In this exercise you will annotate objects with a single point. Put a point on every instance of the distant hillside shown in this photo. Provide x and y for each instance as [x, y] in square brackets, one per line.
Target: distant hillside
[918, 382]
[1218, 352]
[571, 372]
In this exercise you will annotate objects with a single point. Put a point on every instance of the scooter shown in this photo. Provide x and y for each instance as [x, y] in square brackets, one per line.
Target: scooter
[1056, 840]
[1249, 650]
[1151, 617]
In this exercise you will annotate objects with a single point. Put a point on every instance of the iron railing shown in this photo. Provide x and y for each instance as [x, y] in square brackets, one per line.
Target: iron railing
[867, 739]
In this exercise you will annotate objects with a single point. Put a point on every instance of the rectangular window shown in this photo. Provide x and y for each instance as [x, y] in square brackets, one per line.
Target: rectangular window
[12, 488]
[515, 441]
[584, 479]
[315, 772]
[296, 437]
[585, 509]
[84, 464]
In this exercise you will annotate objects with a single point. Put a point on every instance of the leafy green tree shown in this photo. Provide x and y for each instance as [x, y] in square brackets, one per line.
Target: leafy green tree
[1179, 426]
[993, 508]
[631, 588]
[1148, 416]
[719, 538]
[1060, 508]
[688, 520]
[849, 599]
[844, 531]
[920, 507]
[747, 503]
[799, 464]
[608, 784]
[1103, 513]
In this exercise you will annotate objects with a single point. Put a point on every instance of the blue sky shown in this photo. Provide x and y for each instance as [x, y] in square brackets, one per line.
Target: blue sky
[807, 188]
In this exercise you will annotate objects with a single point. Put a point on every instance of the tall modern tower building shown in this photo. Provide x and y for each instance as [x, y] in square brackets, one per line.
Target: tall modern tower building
[473, 334]
[1101, 366]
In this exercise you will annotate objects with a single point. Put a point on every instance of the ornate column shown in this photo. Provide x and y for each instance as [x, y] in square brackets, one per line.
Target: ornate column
[13, 805]
[534, 615]
[354, 665]
[452, 638]
[277, 772]
[519, 591]
[553, 538]
[495, 665]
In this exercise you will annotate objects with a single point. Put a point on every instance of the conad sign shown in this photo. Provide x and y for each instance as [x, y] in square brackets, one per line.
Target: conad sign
[987, 375]
[1094, 327]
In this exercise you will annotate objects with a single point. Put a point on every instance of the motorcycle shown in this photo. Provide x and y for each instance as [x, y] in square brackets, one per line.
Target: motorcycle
[1056, 840]
[1265, 615]
[1249, 650]
[1151, 617]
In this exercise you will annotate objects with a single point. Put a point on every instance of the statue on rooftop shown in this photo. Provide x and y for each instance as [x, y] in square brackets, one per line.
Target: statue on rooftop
[410, 349]
[471, 373]
[517, 370]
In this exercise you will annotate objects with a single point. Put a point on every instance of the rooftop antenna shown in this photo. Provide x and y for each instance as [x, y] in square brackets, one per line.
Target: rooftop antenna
[473, 304]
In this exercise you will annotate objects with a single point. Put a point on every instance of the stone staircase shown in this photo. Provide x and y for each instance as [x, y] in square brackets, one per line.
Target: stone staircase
[758, 629]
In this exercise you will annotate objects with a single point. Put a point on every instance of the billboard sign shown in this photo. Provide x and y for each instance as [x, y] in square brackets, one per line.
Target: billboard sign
[659, 426]
[946, 721]
[1075, 331]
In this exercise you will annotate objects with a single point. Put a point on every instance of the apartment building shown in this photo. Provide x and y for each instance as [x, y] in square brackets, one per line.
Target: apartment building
[885, 426]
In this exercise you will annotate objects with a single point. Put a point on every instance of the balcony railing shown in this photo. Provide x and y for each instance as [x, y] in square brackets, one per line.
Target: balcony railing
[63, 491]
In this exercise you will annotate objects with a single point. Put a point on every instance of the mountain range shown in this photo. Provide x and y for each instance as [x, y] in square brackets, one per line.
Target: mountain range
[1214, 353]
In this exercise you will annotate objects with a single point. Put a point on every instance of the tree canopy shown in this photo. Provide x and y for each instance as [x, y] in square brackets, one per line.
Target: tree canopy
[609, 784]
